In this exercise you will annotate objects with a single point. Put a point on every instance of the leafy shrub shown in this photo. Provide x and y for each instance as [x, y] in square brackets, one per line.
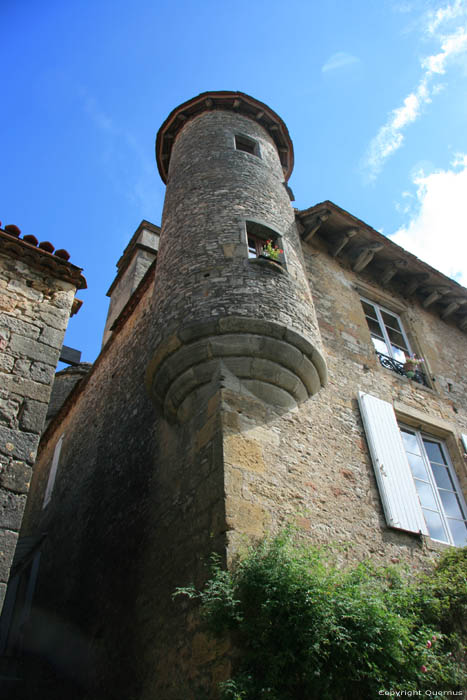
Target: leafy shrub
[307, 629]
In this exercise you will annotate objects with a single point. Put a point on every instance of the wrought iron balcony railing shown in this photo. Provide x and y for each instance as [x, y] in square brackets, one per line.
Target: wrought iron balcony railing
[398, 367]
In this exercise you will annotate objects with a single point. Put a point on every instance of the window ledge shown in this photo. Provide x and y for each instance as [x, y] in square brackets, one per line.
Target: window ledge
[398, 367]
[263, 261]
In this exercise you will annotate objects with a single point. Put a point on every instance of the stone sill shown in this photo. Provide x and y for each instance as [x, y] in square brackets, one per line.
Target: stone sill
[268, 263]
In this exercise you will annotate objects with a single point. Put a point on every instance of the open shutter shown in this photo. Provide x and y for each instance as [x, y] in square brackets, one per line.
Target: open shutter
[396, 485]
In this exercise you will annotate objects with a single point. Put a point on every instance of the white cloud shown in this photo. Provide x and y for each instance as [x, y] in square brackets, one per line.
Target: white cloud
[437, 233]
[339, 60]
[444, 14]
[390, 137]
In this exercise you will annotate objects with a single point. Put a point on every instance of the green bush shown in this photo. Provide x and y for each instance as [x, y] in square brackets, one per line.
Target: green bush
[305, 628]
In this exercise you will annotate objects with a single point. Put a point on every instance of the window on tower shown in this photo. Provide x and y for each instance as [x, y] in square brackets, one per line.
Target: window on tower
[244, 143]
[263, 242]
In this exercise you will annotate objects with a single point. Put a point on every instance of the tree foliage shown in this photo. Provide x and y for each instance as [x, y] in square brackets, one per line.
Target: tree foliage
[307, 628]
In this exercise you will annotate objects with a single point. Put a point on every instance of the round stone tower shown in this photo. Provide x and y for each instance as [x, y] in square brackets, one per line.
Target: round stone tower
[221, 301]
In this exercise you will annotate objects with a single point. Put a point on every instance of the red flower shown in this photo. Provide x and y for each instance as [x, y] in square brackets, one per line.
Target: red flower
[423, 669]
[428, 644]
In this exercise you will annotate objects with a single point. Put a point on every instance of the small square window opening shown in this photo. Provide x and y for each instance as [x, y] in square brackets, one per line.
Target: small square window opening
[260, 239]
[243, 143]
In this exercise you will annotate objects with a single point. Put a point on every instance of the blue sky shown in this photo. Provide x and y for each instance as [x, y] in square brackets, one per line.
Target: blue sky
[374, 94]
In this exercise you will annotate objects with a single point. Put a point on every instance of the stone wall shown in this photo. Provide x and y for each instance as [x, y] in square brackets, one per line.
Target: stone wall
[34, 312]
[136, 510]
[312, 465]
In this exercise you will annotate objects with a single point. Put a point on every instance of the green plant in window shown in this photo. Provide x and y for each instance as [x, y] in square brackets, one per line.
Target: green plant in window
[270, 250]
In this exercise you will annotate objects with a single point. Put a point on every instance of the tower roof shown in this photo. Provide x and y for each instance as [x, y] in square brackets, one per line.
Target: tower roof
[230, 101]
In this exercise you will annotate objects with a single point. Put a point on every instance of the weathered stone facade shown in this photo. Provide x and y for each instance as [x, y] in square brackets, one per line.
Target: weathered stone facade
[251, 420]
[37, 291]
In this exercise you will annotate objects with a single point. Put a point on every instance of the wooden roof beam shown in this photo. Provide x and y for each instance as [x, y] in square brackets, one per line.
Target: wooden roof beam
[434, 295]
[416, 281]
[365, 254]
[342, 241]
[391, 269]
[453, 306]
[313, 223]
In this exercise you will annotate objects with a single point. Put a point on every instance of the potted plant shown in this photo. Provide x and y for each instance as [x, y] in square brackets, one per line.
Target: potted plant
[271, 251]
[411, 365]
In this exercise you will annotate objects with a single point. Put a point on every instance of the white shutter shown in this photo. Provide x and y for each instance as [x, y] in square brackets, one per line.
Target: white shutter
[464, 441]
[396, 485]
[53, 472]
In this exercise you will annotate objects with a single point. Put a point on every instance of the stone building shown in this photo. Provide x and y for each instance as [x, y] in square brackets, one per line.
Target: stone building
[235, 393]
[37, 297]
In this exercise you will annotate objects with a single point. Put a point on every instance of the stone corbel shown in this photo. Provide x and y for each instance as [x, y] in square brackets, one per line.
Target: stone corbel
[313, 223]
[453, 306]
[434, 295]
[365, 254]
[392, 269]
[342, 241]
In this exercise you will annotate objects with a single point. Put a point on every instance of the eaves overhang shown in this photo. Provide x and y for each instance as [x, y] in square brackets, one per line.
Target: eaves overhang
[357, 245]
[237, 102]
[39, 258]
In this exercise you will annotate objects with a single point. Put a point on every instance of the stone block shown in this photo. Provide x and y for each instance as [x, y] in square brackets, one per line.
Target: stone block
[22, 367]
[9, 408]
[235, 344]
[53, 317]
[11, 510]
[20, 288]
[16, 477]
[19, 445]
[270, 394]
[6, 362]
[42, 372]
[243, 452]
[26, 388]
[193, 331]
[28, 330]
[33, 416]
[33, 350]
[245, 517]
[52, 337]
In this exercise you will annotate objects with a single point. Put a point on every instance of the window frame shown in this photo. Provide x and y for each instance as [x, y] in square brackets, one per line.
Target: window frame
[420, 435]
[382, 421]
[379, 308]
[259, 233]
[247, 144]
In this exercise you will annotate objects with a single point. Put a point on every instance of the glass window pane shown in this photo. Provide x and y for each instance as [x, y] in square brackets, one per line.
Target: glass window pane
[458, 532]
[417, 466]
[410, 442]
[369, 310]
[374, 328]
[396, 338]
[434, 452]
[442, 477]
[451, 504]
[390, 320]
[435, 526]
[380, 345]
[397, 354]
[426, 495]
